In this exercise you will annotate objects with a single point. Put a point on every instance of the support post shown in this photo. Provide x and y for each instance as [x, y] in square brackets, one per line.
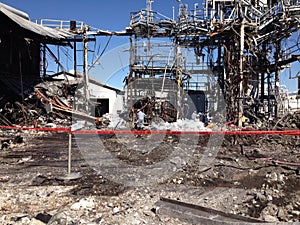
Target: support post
[132, 61]
[178, 78]
[277, 97]
[269, 93]
[70, 175]
[21, 76]
[85, 70]
[241, 68]
[75, 58]
[44, 60]
[69, 153]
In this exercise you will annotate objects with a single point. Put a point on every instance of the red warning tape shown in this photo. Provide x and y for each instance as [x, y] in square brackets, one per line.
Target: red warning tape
[159, 132]
[61, 129]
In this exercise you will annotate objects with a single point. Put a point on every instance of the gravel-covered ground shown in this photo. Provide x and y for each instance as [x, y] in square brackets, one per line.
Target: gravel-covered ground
[254, 176]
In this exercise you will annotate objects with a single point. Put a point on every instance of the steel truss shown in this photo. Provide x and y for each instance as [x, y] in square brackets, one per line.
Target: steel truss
[236, 45]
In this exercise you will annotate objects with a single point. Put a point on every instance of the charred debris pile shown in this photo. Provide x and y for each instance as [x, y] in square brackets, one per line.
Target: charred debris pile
[51, 104]
[47, 104]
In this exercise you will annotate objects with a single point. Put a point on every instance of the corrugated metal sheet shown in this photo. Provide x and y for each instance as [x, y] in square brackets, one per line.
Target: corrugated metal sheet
[15, 11]
[36, 28]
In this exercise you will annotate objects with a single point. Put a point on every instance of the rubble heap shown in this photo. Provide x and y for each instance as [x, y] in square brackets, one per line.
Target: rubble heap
[289, 121]
[33, 110]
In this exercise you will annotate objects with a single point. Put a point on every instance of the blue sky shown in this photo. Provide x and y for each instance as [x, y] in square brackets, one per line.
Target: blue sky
[110, 15]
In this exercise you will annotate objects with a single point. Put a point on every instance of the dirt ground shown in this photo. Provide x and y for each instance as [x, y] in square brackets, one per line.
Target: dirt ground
[254, 176]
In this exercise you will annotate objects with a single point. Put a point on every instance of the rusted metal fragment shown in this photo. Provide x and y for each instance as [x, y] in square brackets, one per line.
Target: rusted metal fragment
[196, 214]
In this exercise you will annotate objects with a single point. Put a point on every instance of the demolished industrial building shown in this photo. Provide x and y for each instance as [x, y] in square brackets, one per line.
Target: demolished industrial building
[220, 130]
[225, 56]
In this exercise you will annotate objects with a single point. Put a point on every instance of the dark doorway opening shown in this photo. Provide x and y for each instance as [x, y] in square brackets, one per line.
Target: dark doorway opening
[101, 106]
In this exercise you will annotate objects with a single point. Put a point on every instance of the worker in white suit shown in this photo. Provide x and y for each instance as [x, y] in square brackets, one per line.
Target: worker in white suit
[141, 118]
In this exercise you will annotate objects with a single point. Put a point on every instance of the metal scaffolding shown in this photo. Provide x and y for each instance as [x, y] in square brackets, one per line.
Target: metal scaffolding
[231, 50]
[236, 45]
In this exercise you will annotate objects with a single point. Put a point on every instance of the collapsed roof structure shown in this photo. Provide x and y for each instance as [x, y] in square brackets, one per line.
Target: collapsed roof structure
[22, 41]
[25, 47]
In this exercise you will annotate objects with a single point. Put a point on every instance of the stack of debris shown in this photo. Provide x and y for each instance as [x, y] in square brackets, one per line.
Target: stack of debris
[48, 104]
[289, 121]
[155, 109]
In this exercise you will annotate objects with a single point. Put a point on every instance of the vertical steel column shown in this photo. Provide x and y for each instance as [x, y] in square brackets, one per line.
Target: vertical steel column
[241, 68]
[178, 77]
[85, 69]
[21, 75]
[44, 60]
[69, 153]
[269, 92]
[276, 56]
[130, 80]
[75, 58]
[262, 88]
[220, 72]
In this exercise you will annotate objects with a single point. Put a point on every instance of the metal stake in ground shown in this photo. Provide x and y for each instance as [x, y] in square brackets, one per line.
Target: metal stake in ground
[70, 175]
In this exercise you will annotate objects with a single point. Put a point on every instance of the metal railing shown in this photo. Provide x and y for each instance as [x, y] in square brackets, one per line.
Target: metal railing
[61, 24]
